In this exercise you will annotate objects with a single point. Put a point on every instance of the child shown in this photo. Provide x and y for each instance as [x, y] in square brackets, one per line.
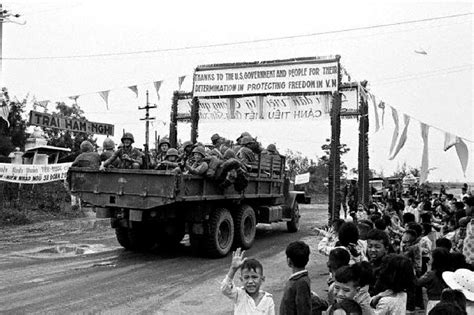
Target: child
[411, 249]
[297, 294]
[378, 246]
[338, 258]
[345, 307]
[248, 299]
[433, 280]
[349, 239]
[396, 277]
[352, 283]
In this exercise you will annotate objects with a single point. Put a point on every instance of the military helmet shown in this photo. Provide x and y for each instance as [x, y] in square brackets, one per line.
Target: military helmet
[200, 150]
[186, 144]
[229, 153]
[247, 140]
[243, 134]
[272, 148]
[215, 137]
[128, 135]
[86, 146]
[108, 144]
[172, 152]
[163, 141]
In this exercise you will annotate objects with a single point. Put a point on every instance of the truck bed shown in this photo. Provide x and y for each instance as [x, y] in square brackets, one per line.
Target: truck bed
[148, 189]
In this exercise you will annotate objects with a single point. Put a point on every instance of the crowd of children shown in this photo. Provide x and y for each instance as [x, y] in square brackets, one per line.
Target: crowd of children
[388, 258]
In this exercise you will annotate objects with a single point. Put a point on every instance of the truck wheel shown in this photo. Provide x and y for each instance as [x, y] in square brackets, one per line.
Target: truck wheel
[122, 237]
[294, 224]
[245, 227]
[220, 236]
[140, 238]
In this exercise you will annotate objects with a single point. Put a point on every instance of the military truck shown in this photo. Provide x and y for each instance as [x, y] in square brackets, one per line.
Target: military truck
[148, 207]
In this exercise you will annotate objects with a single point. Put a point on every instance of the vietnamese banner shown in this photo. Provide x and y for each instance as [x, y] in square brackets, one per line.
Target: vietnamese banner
[261, 108]
[71, 124]
[307, 76]
[312, 107]
[33, 174]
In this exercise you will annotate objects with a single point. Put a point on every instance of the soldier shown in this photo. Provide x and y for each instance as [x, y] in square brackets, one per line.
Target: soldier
[130, 157]
[163, 147]
[88, 158]
[245, 154]
[272, 150]
[198, 167]
[171, 161]
[108, 148]
[239, 140]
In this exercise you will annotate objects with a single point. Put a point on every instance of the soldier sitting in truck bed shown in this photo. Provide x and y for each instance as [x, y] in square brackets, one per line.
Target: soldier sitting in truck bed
[87, 158]
[130, 157]
[171, 162]
[245, 154]
[198, 166]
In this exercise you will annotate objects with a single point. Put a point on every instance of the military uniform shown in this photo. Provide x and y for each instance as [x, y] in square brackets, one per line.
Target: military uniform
[130, 152]
[87, 158]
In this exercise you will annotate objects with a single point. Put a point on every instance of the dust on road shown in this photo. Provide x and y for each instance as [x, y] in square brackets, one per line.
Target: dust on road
[77, 267]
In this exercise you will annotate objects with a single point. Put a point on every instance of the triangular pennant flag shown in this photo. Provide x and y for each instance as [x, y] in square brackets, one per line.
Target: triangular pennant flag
[463, 154]
[424, 159]
[395, 131]
[403, 137]
[74, 98]
[180, 82]
[105, 97]
[449, 141]
[157, 85]
[134, 89]
[382, 107]
[376, 113]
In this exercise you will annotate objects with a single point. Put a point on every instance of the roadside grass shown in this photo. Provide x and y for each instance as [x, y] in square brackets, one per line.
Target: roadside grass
[26, 204]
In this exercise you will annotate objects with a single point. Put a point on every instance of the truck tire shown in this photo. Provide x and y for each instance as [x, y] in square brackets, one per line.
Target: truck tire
[294, 225]
[122, 237]
[245, 227]
[220, 235]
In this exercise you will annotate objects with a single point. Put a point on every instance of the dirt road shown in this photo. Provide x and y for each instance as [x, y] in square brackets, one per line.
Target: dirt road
[77, 267]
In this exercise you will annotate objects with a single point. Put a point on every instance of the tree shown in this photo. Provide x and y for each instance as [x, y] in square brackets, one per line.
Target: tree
[404, 170]
[66, 138]
[343, 149]
[14, 135]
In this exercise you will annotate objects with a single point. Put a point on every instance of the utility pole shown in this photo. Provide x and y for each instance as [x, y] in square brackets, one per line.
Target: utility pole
[4, 18]
[147, 128]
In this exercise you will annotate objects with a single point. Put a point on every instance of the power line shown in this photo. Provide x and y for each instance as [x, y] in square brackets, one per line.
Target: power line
[243, 42]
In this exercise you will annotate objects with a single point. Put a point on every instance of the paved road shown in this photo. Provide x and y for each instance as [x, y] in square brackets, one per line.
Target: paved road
[92, 274]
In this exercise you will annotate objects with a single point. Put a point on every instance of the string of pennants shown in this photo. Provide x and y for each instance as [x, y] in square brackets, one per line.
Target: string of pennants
[105, 94]
[399, 139]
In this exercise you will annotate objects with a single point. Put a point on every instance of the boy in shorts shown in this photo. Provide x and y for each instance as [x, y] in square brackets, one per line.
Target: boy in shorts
[248, 299]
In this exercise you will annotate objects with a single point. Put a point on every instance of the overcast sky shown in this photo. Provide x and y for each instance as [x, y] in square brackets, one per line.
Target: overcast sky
[436, 88]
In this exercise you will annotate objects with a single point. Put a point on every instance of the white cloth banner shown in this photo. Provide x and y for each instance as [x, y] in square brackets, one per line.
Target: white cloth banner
[276, 77]
[105, 97]
[33, 174]
[276, 108]
[403, 137]
[424, 159]
[302, 179]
